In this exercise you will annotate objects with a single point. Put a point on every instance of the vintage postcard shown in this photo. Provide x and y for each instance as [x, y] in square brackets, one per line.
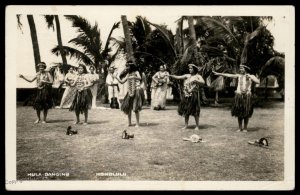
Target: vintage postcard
[150, 97]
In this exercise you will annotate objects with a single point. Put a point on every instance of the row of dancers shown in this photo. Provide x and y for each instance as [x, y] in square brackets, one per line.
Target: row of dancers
[82, 86]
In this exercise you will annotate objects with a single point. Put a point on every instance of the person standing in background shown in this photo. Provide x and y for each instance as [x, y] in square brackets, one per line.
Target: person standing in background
[94, 78]
[161, 80]
[112, 83]
[70, 91]
[58, 81]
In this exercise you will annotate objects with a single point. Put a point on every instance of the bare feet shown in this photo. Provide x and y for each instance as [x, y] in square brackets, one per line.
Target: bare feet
[185, 127]
[85, 123]
[239, 130]
[245, 130]
[44, 122]
[196, 128]
[37, 121]
[76, 122]
[137, 125]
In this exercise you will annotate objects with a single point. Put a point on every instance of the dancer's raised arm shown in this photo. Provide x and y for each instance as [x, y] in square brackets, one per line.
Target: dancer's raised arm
[122, 81]
[226, 74]
[21, 76]
[182, 77]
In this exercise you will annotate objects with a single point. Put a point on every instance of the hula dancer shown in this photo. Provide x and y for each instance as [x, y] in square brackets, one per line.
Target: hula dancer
[43, 100]
[134, 98]
[83, 98]
[242, 106]
[190, 103]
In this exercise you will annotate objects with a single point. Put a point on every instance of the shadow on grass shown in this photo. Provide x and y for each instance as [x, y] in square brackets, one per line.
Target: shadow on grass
[97, 122]
[148, 124]
[59, 120]
[252, 129]
[204, 126]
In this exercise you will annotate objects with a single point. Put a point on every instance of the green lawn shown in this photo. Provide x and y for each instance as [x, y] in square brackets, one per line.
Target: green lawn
[157, 151]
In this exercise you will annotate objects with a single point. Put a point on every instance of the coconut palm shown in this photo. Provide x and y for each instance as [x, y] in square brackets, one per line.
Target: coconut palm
[128, 44]
[50, 23]
[88, 47]
[34, 39]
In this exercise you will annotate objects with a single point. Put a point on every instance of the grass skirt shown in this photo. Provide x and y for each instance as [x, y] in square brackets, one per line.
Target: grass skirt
[190, 105]
[218, 84]
[242, 106]
[44, 99]
[82, 101]
[133, 103]
[68, 97]
[160, 97]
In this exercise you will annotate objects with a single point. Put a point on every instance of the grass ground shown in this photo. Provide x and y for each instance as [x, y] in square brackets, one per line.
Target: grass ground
[157, 151]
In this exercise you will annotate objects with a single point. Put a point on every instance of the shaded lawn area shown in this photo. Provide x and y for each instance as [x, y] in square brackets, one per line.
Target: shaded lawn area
[157, 151]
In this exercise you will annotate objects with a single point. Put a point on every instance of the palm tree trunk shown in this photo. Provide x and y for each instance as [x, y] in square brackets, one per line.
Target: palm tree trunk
[59, 40]
[35, 43]
[192, 34]
[192, 31]
[180, 36]
[129, 49]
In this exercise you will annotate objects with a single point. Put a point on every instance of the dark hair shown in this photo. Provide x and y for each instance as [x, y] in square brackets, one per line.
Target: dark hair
[130, 67]
[84, 68]
[41, 64]
[195, 69]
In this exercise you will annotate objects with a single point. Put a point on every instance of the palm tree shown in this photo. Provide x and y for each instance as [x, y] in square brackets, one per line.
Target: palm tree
[35, 43]
[88, 44]
[50, 22]
[88, 47]
[129, 49]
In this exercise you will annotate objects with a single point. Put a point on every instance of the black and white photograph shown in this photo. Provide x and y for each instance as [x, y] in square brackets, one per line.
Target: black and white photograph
[150, 97]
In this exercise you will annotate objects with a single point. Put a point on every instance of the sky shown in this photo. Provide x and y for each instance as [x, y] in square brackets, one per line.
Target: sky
[105, 17]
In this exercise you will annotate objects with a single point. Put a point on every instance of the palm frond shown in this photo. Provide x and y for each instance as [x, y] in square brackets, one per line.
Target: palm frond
[166, 36]
[50, 21]
[149, 54]
[86, 30]
[220, 28]
[106, 49]
[120, 43]
[19, 22]
[73, 53]
[187, 54]
[274, 65]
[144, 26]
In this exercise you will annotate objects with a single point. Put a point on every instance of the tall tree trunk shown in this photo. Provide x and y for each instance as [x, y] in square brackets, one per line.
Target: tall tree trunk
[35, 43]
[180, 38]
[129, 49]
[59, 40]
[192, 34]
[244, 53]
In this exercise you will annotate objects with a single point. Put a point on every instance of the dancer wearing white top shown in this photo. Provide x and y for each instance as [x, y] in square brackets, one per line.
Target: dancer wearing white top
[242, 106]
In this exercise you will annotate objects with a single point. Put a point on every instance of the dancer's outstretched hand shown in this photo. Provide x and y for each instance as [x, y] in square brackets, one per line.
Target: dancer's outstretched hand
[216, 73]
